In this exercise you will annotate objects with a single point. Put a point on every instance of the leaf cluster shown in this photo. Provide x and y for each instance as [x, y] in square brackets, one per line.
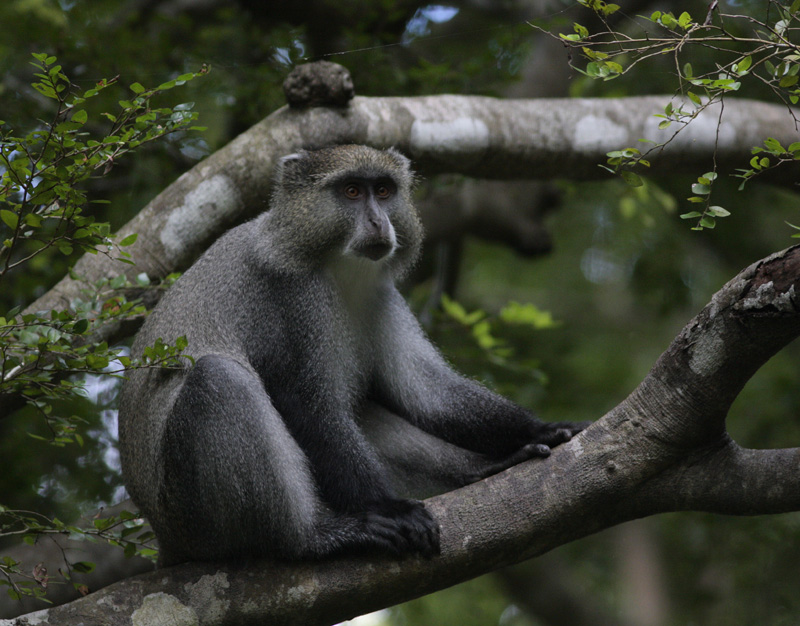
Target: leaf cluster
[45, 356]
[490, 334]
[744, 48]
[42, 205]
[126, 530]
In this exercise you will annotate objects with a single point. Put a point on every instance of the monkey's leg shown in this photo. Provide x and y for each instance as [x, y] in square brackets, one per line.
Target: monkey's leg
[236, 484]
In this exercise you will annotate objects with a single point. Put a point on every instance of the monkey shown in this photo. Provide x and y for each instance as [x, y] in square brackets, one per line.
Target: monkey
[315, 410]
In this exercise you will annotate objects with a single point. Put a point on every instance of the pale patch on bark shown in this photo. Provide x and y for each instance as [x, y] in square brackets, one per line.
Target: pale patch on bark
[207, 596]
[709, 353]
[159, 607]
[766, 295]
[593, 132]
[213, 201]
[465, 134]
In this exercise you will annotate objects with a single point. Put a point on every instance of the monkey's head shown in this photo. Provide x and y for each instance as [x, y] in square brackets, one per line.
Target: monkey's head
[346, 200]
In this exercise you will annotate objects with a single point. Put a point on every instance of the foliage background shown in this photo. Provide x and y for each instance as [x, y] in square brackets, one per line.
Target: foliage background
[625, 275]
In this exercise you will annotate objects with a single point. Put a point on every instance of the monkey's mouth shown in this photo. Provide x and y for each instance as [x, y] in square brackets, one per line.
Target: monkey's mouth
[374, 250]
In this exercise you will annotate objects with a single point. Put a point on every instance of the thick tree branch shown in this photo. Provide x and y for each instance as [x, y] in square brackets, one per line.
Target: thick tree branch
[704, 369]
[730, 480]
[476, 136]
[664, 448]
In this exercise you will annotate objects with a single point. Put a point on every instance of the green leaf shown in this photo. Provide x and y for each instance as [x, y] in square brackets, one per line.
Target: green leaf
[527, 314]
[10, 218]
[29, 338]
[104, 523]
[633, 180]
[691, 215]
[718, 211]
[668, 20]
[83, 567]
[454, 309]
[79, 117]
[742, 66]
[130, 239]
[773, 145]
[700, 189]
[96, 362]
[137, 88]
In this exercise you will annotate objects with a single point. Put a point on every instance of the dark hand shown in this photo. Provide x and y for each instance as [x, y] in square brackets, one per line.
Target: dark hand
[548, 435]
[553, 433]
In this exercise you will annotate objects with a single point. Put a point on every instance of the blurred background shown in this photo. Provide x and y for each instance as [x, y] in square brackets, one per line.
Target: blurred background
[617, 269]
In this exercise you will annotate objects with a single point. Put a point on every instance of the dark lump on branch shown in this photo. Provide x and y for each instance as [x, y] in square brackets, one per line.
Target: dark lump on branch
[319, 84]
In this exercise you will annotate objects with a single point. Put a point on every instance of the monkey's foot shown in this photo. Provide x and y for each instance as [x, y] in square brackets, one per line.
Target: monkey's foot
[403, 527]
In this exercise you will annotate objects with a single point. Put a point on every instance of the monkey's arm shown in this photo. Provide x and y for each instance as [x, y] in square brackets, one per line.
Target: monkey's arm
[317, 400]
[415, 381]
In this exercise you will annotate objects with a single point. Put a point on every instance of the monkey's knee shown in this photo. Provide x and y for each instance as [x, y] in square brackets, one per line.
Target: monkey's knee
[235, 481]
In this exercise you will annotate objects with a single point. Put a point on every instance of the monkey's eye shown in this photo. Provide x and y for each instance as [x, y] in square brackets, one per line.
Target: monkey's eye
[382, 191]
[352, 191]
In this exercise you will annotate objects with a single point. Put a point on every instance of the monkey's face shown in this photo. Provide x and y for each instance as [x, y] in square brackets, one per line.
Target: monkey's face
[370, 203]
[352, 201]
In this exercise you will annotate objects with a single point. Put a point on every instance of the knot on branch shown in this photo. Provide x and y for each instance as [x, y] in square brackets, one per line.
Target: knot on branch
[774, 284]
[319, 84]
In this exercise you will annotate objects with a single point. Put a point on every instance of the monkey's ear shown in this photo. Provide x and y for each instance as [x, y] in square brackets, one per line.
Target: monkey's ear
[291, 157]
[289, 166]
[401, 158]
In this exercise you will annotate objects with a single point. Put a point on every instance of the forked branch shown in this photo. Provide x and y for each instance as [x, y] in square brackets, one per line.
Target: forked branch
[664, 448]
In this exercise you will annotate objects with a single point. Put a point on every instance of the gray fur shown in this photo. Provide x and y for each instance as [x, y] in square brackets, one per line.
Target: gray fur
[315, 403]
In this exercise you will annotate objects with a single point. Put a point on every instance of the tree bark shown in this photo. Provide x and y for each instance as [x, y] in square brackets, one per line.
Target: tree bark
[471, 135]
[477, 136]
[664, 448]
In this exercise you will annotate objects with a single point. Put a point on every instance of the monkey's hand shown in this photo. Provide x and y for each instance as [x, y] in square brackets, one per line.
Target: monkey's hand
[403, 527]
[548, 436]
[553, 433]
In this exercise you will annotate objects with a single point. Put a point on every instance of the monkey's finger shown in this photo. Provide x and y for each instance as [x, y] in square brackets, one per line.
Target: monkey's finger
[537, 450]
